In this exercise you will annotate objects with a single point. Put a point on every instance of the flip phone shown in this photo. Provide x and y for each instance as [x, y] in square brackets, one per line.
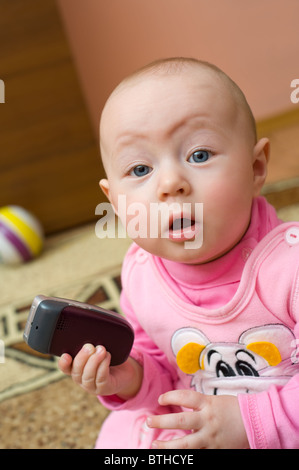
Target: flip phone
[56, 326]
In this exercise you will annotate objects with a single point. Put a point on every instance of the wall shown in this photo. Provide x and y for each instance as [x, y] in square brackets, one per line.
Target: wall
[255, 42]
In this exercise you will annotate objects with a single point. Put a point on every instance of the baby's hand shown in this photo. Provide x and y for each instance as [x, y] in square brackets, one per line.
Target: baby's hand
[91, 370]
[215, 421]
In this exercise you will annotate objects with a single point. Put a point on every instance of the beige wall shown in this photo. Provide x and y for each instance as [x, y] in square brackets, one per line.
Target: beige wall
[256, 42]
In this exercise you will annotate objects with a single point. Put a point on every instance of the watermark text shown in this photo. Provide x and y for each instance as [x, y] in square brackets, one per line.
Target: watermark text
[295, 93]
[178, 222]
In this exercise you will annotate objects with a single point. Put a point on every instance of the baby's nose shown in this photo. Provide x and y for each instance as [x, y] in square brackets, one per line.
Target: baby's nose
[172, 184]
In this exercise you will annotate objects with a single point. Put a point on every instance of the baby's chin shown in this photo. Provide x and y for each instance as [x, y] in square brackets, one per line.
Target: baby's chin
[184, 252]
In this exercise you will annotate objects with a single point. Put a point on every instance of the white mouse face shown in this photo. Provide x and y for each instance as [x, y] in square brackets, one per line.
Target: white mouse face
[261, 356]
[229, 360]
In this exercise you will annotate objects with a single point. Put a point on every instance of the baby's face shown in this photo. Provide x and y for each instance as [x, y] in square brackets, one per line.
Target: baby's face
[180, 139]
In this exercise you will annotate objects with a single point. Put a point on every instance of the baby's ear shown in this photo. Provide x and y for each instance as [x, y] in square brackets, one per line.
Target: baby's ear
[261, 155]
[104, 185]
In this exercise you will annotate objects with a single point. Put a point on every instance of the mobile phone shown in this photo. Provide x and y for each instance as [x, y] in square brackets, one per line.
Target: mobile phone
[56, 326]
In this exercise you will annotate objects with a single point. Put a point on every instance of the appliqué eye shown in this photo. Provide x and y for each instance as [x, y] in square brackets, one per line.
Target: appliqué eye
[140, 170]
[223, 369]
[244, 368]
[200, 156]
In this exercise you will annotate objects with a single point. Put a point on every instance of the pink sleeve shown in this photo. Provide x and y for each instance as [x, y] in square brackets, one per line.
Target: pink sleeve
[158, 375]
[271, 418]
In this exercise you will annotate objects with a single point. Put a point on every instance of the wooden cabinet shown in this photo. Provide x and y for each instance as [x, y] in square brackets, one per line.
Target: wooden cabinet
[49, 157]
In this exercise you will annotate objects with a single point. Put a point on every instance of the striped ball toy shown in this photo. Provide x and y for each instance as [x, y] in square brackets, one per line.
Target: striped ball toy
[21, 235]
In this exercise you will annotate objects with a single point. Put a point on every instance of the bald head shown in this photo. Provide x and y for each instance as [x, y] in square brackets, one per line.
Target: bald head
[182, 65]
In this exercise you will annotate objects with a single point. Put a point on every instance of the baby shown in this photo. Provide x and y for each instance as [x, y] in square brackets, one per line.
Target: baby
[213, 296]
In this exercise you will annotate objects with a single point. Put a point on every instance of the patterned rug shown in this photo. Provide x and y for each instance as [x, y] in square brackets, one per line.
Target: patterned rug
[39, 406]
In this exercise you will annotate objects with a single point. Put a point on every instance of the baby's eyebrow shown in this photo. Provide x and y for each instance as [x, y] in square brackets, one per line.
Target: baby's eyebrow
[193, 121]
[129, 138]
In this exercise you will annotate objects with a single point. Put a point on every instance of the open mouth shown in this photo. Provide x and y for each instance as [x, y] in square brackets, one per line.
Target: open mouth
[182, 228]
[181, 223]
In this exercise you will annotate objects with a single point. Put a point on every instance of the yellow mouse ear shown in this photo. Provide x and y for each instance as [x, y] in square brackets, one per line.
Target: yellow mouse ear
[267, 350]
[188, 357]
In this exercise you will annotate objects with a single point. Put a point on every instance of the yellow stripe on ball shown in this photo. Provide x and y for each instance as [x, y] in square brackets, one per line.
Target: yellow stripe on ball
[27, 233]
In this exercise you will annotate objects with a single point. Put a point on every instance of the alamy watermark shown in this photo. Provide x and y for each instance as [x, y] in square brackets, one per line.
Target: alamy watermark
[178, 222]
[2, 91]
[295, 93]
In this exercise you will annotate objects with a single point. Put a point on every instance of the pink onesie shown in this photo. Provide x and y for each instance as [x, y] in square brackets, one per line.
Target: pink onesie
[226, 327]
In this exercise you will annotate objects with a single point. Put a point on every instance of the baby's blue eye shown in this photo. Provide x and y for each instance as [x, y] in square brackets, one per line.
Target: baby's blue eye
[200, 156]
[140, 170]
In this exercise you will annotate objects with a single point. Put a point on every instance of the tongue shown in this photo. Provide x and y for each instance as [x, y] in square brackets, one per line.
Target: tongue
[180, 224]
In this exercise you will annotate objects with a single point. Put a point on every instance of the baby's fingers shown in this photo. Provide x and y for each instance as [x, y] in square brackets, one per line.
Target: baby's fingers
[80, 362]
[96, 370]
[184, 398]
[65, 364]
[186, 420]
